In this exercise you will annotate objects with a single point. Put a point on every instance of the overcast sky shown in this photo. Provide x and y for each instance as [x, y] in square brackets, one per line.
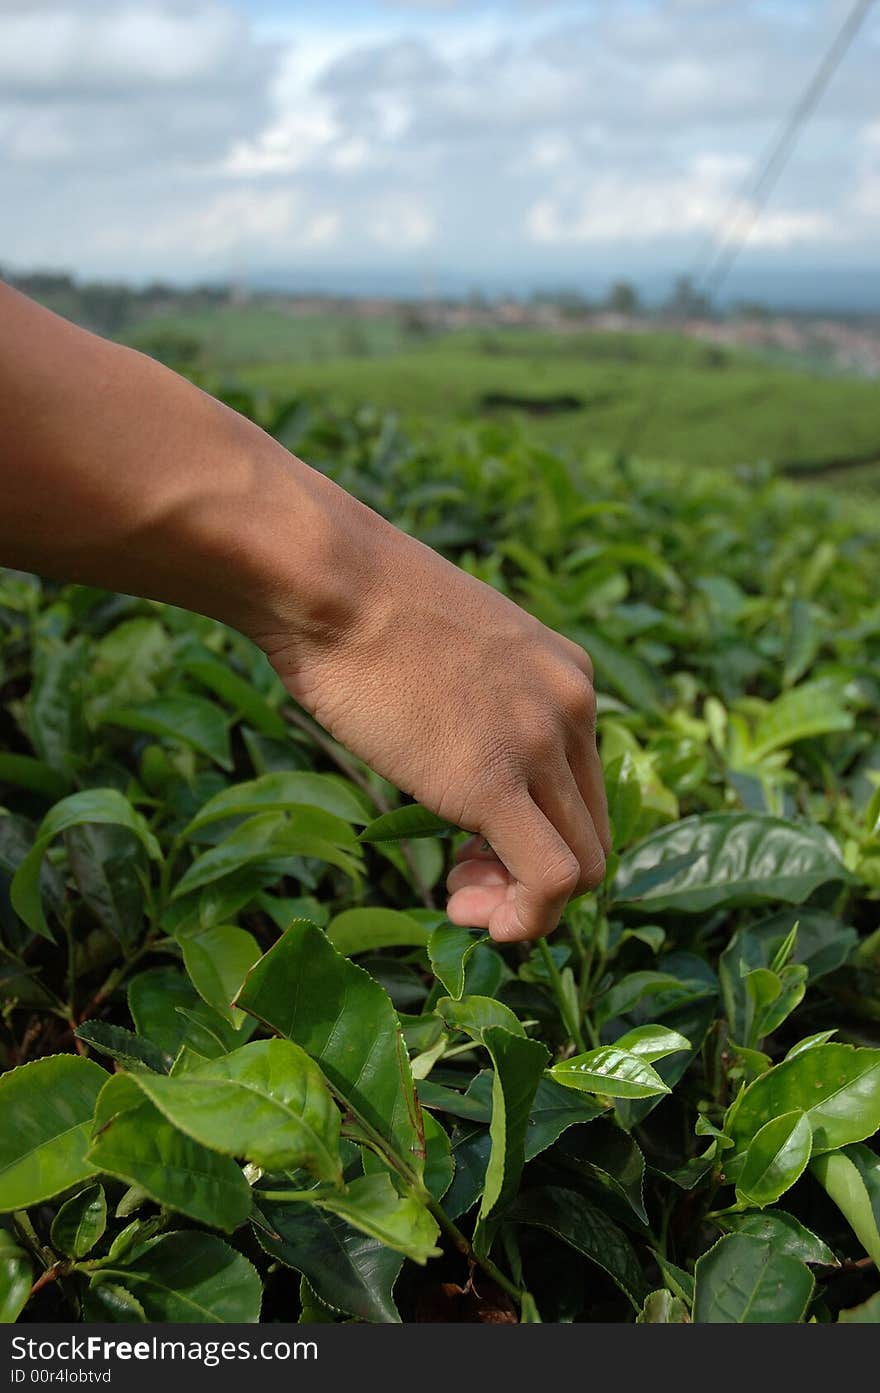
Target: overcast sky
[201, 138]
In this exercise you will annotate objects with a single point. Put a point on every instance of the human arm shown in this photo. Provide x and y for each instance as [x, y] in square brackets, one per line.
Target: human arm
[116, 472]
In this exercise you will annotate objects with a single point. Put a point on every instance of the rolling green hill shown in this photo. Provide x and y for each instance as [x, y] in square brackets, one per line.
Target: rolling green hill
[667, 397]
[656, 394]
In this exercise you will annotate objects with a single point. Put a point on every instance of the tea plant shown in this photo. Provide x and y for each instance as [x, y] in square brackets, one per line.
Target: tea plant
[252, 1072]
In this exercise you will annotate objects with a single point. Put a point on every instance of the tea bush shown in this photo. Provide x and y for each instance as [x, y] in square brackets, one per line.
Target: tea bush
[251, 1072]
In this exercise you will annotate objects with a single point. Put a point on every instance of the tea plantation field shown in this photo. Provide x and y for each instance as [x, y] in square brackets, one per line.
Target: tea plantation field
[251, 1071]
[658, 395]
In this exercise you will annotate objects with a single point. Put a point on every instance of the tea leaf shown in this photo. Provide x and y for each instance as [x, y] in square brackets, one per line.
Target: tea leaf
[611, 1071]
[94, 805]
[80, 1222]
[570, 1216]
[777, 1155]
[133, 1141]
[16, 1275]
[266, 1102]
[405, 823]
[189, 719]
[46, 1113]
[217, 961]
[744, 1280]
[836, 1086]
[727, 859]
[342, 1018]
[193, 1278]
[365, 930]
[349, 1270]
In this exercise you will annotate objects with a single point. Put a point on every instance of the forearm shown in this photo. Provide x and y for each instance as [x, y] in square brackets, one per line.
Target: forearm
[117, 472]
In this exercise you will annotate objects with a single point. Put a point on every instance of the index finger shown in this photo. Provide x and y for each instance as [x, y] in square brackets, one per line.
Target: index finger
[544, 868]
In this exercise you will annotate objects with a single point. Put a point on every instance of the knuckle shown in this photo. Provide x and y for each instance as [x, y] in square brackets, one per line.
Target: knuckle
[591, 875]
[584, 662]
[561, 876]
[577, 699]
[543, 743]
[584, 702]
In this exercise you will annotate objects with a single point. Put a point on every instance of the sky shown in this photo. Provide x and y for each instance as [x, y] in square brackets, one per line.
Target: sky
[538, 141]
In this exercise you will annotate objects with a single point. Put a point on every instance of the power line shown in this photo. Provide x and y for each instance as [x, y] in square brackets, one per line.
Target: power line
[714, 266]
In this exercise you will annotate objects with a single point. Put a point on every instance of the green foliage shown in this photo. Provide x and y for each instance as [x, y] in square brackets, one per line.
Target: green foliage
[308, 1059]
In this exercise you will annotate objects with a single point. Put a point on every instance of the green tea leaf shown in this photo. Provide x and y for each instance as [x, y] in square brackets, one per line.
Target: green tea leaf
[191, 720]
[519, 1064]
[609, 1160]
[776, 1157]
[265, 838]
[108, 866]
[349, 1270]
[449, 1100]
[217, 961]
[241, 695]
[815, 708]
[471, 1147]
[132, 1140]
[624, 799]
[285, 792]
[851, 1177]
[837, 1086]
[371, 1203]
[449, 949]
[611, 1071]
[194, 1278]
[341, 1017]
[55, 703]
[80, 1222]
[107, 1301]
[405, 823]
[823, 944]
[266, 1102]
[652, 1042]
[23, 771]
[727, 859]
[662, 1308]
[809, 1042]
[744, 1280]
[784, 1233]
[554, 1109]
[619, 671]
[474, 1014]
[167, 1010]
[365, 930]
[116, 1042]
[93, 805]
[45, 1119]
[439, 1165]
[16, 1276]
[570, 1216]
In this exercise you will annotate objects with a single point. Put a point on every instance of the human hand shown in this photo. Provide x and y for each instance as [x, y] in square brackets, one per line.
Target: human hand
[462, 699]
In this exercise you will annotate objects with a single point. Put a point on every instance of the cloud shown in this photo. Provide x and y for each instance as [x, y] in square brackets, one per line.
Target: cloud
[72, 48]
[86, 83]
[701, 199]
[177, 136]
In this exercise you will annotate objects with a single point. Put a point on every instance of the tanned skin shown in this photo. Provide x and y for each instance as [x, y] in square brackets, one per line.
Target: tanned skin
[118, 473]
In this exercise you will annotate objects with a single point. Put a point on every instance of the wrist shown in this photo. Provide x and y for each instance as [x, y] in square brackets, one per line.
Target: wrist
[301, 556]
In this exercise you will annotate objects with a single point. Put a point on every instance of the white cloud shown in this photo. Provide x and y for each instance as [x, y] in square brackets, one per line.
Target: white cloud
[72, 47]
[242, 220]
[702, 199]
[401, 224]
[157, 136]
